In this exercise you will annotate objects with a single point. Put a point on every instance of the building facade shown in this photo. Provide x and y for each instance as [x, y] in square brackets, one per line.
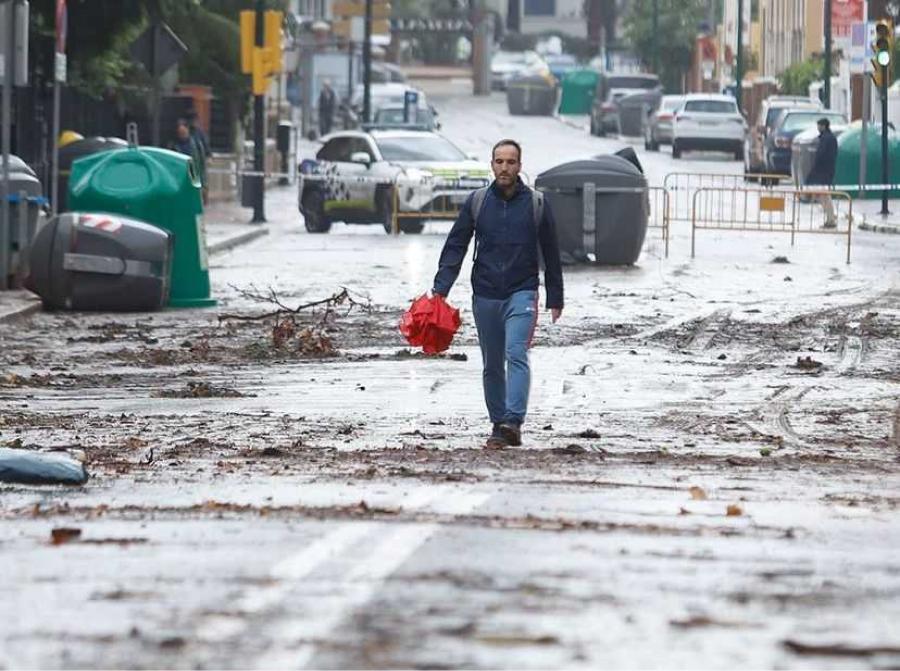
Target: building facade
[791, 32]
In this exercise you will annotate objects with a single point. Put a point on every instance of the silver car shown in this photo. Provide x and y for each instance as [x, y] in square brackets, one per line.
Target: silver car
[659, 125]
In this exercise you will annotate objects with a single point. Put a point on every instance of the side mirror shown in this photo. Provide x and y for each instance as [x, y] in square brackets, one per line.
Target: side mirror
[434, 112]
[361, 157]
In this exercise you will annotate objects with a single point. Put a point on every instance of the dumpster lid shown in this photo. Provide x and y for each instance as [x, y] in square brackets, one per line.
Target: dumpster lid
[530, 79]
[604, 171]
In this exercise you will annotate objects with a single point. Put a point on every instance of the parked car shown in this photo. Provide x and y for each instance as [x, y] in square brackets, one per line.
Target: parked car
[507, 64]
[754, 143]
[355, 173]
[383, 95]
[659, 125]
[711, 122]
[790, 123]
[560, 64]
[383, 73]
[610, 89]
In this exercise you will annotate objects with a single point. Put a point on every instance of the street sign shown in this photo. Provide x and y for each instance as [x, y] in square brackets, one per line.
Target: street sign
[844, 13]
[59, 68]
[344, 8]
[168, 49]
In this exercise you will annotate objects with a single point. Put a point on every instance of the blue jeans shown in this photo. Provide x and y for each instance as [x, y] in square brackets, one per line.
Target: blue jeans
[505, 328]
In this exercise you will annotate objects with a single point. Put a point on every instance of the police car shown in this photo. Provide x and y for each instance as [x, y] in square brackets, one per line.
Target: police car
[355, 173]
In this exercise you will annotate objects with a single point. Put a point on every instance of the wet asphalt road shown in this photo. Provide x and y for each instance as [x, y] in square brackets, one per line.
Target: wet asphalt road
[688, 495]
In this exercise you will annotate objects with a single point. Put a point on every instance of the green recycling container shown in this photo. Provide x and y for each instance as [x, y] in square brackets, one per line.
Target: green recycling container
[159, 187]
[578, 88]
[846, 170]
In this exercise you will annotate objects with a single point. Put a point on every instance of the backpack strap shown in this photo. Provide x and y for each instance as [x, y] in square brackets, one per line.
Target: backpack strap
[478, 197]
[537, 207]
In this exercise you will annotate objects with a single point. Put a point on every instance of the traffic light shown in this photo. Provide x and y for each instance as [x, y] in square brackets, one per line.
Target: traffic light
[883, 48]
[261, 62]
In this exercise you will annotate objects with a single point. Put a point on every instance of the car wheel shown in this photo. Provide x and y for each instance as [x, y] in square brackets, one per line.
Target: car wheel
[676, 149]
[313, 208]
[385, 205]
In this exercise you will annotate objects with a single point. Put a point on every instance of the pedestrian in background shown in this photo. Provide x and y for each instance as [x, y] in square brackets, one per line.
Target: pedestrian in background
[822, 173]
[513, 227]
[202, 143]
[185, 143]
[327, 104]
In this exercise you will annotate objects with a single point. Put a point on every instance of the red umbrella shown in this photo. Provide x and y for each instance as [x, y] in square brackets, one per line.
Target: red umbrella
[430, 323]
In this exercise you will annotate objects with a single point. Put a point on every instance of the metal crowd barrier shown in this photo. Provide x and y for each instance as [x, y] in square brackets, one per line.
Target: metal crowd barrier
[766, 210]
[682, 186]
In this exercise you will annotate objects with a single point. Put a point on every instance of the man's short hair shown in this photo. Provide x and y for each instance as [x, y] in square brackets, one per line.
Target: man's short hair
[511, 143]
[824, 122]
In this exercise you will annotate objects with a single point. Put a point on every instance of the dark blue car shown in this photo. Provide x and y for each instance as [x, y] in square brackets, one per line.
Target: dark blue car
[791, 123]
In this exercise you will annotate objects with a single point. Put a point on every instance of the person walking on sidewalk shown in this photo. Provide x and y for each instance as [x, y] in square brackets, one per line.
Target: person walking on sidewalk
[513, 227]
[327, 103]
[822, 172]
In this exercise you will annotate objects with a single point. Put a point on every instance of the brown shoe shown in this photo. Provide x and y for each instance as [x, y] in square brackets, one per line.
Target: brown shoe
[496, 441]
[511, 433]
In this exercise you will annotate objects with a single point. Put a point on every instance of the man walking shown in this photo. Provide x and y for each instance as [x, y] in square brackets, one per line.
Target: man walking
[513, 227]
[327, 103]
[822, 172]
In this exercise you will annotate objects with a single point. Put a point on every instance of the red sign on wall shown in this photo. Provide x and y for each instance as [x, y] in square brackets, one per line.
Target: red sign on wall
[843, 14]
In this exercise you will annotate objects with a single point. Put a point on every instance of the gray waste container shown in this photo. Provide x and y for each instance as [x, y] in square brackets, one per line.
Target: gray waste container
[613, 223]
[24, 214]
[88, 261]
[531, 94]
[634, 111]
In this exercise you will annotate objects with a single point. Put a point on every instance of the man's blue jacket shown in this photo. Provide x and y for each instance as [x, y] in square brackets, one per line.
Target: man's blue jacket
[506, 248]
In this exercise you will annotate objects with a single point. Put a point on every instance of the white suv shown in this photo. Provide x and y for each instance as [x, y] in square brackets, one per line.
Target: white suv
[706, 121]
[355, 173]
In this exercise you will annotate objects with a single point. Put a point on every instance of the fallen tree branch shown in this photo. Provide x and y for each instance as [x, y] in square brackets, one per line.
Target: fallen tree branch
[271, 296]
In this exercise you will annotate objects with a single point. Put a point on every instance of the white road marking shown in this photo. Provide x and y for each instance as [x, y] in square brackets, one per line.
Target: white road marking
[294, 641]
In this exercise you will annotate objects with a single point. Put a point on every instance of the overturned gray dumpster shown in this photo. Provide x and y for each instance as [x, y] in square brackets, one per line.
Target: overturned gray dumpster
[531, 94]
[601, 209]
[95, 261]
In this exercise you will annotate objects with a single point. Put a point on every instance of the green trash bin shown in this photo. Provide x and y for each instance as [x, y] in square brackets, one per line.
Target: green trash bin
[578, 88]
[846, 170]
[159, 187]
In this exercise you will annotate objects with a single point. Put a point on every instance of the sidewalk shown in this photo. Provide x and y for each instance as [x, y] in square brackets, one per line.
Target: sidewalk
[227, 227]
[867, 214]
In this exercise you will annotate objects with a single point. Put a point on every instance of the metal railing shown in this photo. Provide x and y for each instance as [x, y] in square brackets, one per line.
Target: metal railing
[682, 186]
[791, 211]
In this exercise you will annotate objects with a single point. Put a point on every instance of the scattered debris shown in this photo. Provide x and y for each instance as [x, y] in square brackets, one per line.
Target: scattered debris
[589, 434]
[32, 467]
[839, 649]
[765, 452]
[200, 390]
[734, 510]
[572, 449]
[62, 535]
[697, 493]
[780, 259]
[807, 363]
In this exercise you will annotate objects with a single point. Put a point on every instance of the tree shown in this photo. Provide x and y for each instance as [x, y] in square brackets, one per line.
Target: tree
[678, 25]
[796, 79]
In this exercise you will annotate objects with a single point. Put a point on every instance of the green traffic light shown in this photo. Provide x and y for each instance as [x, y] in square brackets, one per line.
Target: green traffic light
[884, 58]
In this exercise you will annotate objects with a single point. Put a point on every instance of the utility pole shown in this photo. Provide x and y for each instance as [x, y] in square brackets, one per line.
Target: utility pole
[656, 37]
[739, 57]
[259, 130]
[885, 159]
[826, 70]
[367, 64]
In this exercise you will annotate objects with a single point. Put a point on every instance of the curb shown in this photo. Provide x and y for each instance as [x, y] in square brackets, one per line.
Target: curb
[237, 240]
[22, 312]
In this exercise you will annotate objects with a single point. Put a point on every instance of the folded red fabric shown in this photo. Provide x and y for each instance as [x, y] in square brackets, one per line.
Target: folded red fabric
[430, 323]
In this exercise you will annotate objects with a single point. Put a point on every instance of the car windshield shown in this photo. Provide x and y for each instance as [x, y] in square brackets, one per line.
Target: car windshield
[419, 148]
[670, 104]
[711, 106]
[395, 115]
[775, 112]
[632, 83]
[800, 120]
